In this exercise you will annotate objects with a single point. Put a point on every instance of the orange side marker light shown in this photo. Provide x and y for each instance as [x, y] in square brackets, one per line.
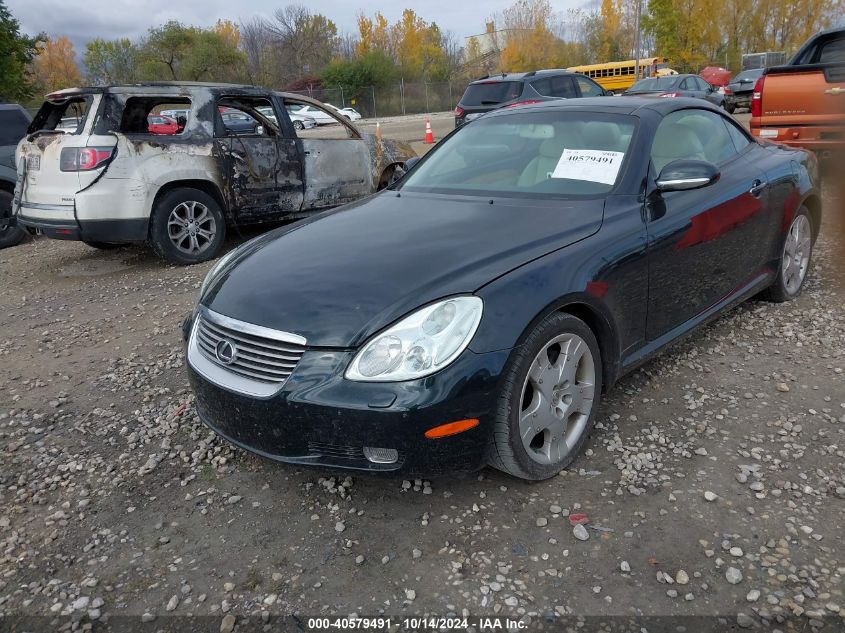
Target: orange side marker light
[452, 428]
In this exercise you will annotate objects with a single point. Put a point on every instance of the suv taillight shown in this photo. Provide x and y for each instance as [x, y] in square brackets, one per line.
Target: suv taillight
[84, 158]
[757, 98]
[522, 103]
[459, 112]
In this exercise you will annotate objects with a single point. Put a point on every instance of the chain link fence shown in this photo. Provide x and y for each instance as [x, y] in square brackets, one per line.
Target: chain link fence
[393, 100]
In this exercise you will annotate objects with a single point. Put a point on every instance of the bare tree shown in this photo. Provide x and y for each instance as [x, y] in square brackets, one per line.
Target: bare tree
[257, 43]
[305, 42]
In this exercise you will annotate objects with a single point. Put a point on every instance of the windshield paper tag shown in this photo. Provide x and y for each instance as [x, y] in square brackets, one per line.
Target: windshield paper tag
[589, 164]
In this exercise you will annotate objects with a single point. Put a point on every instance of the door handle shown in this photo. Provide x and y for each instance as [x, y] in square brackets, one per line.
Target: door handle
[757, 188]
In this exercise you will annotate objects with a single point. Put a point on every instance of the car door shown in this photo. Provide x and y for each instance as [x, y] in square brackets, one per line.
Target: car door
[337, 164]
[258, 178]
[707, 91]
[702, 243]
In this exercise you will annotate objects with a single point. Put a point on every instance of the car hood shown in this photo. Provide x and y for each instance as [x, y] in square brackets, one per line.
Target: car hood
[340, 277]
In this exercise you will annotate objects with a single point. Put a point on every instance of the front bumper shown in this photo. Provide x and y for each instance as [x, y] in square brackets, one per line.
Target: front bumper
[319, 418]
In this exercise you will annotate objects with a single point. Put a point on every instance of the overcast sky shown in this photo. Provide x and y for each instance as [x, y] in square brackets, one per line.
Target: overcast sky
[83, 20]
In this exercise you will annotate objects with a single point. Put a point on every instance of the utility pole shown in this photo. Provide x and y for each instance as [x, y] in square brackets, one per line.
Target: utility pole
[637, 40]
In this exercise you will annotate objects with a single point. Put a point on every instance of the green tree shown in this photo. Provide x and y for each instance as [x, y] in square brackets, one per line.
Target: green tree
[17, 51]
[111, 61]
[373, 68]
[185, 53]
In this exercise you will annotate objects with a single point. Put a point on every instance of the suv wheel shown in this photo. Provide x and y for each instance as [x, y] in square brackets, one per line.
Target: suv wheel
[187, 227]
[9, 235]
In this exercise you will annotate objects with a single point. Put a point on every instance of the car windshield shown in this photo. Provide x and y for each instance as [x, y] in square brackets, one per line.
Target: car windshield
[654, 83]
[491, 92]
[529, 154]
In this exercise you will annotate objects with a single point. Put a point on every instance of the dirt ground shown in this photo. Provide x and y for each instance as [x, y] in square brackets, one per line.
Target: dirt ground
[713, 485]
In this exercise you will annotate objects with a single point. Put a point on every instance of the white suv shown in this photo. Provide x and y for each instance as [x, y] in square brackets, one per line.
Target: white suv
[111, 180]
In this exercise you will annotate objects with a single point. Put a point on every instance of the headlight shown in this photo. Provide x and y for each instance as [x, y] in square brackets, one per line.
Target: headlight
[420, 344]
[215, 270]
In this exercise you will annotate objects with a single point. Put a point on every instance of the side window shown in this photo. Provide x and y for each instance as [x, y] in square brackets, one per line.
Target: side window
[242, 116]
[588, 88]
[739, 138]
[140, 112]
[563, 87]
[330, 124]
[685, 85]
[702, 85]
[543, 86]
[695, 134]
[833, 52]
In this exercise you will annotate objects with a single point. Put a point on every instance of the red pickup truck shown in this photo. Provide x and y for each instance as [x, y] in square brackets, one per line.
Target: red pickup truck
[803, 102]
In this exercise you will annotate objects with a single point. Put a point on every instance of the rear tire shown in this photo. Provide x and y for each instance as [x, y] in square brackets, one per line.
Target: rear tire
[796, 257]
[9, 235]
[187, 227]
[551, 391]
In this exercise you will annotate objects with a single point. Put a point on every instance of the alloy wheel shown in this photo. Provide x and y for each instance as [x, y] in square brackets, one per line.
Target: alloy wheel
[796, 254]
[557, 398]
[191, 227]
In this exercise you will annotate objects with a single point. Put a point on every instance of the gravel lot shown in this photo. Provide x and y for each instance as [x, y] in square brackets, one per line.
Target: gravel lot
[714, 483]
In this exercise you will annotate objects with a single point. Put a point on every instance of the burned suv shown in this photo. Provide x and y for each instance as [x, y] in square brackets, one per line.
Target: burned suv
[108, 179]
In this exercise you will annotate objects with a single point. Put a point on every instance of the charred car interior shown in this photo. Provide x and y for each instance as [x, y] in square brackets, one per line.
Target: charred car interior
[226, 162]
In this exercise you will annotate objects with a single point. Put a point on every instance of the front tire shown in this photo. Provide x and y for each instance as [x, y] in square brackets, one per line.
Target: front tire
[551, 392]
[187, 227]
[795, 259]
[298, 125]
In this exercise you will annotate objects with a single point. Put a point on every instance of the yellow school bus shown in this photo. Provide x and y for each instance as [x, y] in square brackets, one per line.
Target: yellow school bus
[619, 76]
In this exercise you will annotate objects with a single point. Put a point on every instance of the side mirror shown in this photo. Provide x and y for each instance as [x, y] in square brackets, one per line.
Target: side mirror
[259, 130]
[684, 175]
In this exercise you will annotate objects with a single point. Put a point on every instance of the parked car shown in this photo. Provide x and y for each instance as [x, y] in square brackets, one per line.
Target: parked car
[738, 92]
[158, 124]
[299, 122]
[350, 113]
[179, 193]
[513, 89]
[802, 103]
[319, 115]
[176, 113]
[238, 122]
[14, 121]
[677, 86]
[476, 311]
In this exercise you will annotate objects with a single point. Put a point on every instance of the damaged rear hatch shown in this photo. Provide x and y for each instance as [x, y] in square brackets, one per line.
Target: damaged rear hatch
[60, 156]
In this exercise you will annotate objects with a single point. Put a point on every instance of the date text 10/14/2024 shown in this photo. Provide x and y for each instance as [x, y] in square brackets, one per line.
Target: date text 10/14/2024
[480, 624]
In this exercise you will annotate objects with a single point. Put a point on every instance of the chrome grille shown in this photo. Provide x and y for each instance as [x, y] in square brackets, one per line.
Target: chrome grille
[259, 354]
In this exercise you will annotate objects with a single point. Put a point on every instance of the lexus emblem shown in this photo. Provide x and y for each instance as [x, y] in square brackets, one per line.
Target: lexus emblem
[226, 352]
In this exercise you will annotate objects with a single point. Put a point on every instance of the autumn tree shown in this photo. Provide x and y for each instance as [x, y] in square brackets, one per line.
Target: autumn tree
[111, 61]
[531, 43]
[55, 66]
[17, 52]
[373, 35]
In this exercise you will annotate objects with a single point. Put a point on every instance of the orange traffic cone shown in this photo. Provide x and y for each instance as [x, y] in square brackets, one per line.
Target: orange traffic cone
[429, 135]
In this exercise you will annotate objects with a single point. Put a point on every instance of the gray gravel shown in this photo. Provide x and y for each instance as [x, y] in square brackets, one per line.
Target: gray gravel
[713, 484]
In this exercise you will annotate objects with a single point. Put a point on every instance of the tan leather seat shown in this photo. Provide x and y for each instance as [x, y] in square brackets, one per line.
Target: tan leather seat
[550, 151]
